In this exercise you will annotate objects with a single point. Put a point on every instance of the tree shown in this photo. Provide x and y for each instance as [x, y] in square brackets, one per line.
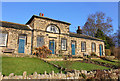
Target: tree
[97, 21]
[116, 38]
[108, 41]
[119, 37]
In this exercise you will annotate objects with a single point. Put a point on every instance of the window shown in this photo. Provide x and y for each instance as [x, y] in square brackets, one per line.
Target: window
[53, 29]
[40, 41]
[3, 39]
[83, 46]
[24, 37]
[64, 44]
[93, 47]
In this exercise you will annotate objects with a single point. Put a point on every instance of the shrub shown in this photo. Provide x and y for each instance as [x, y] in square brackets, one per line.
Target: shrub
[107, 52]
[93, 54]
[110, 57]
[42, 52]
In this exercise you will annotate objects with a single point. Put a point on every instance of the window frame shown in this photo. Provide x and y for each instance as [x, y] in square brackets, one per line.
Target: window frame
[74, 42]
[65, 44]
[92, 47]
[37, 41]
[52, 26]
[81, 46]
[6, 39]
[25, 38]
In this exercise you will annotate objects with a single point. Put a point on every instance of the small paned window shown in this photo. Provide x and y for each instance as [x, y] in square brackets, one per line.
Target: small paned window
[83, 46]
[3, 39]
[40, 41]
[93, 47]
[64, 44]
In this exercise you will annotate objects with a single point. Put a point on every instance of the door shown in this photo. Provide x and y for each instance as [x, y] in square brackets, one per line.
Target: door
[52, 46]
[73, 47]
[100, 48]
[21, 47]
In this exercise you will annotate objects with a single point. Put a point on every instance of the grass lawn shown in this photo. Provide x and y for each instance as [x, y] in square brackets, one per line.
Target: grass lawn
[79, 65]
[19, 65]
[105, 61]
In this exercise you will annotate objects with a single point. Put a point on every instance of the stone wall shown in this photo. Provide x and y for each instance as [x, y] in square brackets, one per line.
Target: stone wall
[12, 40]
[57, 38]
[88, 46]
[40, 26]
[83, 74]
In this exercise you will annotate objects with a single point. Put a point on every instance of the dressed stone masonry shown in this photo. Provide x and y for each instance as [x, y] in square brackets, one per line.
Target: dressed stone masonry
[54, 34]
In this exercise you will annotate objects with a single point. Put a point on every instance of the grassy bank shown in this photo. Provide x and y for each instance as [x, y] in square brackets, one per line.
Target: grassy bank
[79, 65]
[19, 65]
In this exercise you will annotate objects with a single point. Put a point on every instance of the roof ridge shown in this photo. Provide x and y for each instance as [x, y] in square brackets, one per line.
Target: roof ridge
[14, 23]
[48, 19]
[86, 36]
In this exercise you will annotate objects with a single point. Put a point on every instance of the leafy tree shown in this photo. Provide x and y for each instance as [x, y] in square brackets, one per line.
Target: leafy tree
[97, 21]
[108, 41]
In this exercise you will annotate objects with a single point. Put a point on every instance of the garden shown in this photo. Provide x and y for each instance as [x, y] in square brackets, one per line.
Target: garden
[18, 65]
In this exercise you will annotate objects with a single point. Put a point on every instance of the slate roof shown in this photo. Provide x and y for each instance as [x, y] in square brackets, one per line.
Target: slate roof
[14, 25]
[83, 36]
[25, 27]
[34, 16]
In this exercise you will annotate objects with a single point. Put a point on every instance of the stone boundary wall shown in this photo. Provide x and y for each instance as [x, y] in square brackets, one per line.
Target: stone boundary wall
[83, 74]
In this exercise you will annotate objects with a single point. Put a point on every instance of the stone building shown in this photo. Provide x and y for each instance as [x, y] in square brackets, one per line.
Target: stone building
[54, 34]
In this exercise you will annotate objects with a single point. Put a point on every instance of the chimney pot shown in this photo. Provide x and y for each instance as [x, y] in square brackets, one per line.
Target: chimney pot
[42, 14]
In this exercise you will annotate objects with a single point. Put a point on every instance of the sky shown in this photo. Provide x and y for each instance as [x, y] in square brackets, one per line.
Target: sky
[75, 13]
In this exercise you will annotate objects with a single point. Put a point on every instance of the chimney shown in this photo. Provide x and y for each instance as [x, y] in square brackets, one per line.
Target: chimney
[79, 31]
[40, 14]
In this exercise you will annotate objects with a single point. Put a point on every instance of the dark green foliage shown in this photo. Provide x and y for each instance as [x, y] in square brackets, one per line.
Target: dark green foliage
[107, 52]
[108, 41]
[100, 34]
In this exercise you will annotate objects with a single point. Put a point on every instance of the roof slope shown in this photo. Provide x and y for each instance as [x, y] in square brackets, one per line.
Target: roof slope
[14, 25]
[47, 19]
[83, 36]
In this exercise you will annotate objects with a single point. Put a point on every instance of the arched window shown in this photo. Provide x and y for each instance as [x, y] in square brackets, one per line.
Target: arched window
[93, 47]
[83, 46]
[53, 29]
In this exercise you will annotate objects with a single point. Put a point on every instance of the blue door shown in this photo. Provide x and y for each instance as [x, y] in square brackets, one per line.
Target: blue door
[100, 48]
[21, 46]
[73, 48]
[52, 46]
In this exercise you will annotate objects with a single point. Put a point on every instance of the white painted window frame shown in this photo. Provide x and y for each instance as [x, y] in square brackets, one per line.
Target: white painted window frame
[5, 42]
